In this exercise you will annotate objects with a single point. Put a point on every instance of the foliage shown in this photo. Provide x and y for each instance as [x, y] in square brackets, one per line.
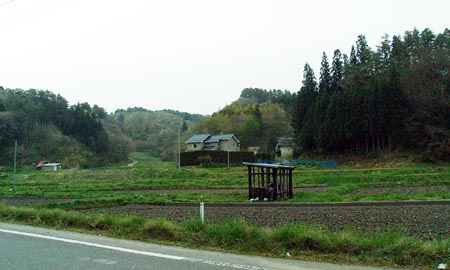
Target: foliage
[208, 158]
[46, 128]
[397, 97]
[262, 96]
[205, 161]
[155, 132]
[253, 124]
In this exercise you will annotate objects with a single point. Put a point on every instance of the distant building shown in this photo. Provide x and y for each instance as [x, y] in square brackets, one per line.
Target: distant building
[254, 149]
[48, 166]
[285, 147]
[208, 142]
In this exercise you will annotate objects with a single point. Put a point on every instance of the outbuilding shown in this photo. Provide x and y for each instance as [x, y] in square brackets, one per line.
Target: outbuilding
[49, 167]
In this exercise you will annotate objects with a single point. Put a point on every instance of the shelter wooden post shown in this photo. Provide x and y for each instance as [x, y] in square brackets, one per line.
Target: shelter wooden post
[269, 181]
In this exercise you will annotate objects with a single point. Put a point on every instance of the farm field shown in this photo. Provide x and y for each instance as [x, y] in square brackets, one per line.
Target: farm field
[151, 180]
[413, 199]
[154, 189]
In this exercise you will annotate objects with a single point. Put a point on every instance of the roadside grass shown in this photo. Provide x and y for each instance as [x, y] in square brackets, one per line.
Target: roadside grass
[349, 246]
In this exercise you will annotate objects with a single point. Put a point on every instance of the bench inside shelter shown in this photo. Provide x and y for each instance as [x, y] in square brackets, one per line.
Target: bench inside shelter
[269, 181]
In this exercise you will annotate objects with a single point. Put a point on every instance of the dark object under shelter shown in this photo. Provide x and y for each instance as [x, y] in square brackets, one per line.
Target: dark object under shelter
[269, 181]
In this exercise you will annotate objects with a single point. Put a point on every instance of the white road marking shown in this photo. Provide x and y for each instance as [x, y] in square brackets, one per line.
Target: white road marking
[138, 252]
[103, 261]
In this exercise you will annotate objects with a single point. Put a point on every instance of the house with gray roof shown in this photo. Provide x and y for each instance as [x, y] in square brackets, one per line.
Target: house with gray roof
[208, 142]
[285, 147]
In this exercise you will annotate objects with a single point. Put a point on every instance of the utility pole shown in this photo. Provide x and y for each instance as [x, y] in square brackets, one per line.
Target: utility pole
[179, 147]
[14, 176]
[15, 165]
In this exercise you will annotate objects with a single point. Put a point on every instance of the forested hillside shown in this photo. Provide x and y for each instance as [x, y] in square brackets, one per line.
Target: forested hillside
[394, 97]
[258, 118]
[155, 132]
[48, 129]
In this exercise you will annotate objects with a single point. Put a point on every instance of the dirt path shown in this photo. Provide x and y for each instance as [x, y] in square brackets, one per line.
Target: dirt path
[132, 163]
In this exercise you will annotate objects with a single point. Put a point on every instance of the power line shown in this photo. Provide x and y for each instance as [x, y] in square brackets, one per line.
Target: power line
[27, 11]
[4, 4]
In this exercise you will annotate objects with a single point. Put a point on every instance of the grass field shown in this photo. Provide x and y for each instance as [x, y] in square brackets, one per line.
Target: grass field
[410, 182]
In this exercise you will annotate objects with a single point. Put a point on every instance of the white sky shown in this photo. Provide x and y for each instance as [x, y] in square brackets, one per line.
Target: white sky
[192, 55]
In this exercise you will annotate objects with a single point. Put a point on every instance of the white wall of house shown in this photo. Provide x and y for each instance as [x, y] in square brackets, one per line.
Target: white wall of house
[51, 167]
[225, 145]
[230, 145]
[194, 146]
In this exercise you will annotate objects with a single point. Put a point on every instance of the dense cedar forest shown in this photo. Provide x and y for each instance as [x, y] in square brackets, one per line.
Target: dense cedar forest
[393, 98]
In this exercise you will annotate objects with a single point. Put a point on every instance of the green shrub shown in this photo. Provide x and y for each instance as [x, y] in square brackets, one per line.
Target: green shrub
[220, 157]
[205, 161]
[161, 229]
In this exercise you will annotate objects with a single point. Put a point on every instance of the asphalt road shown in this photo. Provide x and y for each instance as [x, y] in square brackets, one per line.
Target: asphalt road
[25, 247]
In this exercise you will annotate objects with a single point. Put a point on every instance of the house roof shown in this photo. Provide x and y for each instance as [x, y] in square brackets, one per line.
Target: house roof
[210, 148]
[198, 138]
[208, 138]
[224, 137]
[285, 142]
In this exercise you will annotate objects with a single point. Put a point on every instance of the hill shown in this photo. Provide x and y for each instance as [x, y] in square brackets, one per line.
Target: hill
[258, 118]
[155, 132]
[394, 98]
[47, 128]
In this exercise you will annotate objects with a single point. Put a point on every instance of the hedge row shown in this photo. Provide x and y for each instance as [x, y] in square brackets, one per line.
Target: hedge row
[236, 158]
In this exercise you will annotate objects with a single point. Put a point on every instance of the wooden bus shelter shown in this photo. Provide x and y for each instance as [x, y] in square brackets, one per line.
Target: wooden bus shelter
[270, 181]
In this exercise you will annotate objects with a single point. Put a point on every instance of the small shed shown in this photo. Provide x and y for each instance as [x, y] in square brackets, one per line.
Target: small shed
[269, 181]
[49, 167]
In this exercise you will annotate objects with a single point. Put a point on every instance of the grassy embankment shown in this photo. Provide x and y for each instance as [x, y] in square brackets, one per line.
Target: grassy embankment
[390, 249]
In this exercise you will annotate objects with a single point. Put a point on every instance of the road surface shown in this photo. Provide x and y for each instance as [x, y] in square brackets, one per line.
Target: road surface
[25, 247]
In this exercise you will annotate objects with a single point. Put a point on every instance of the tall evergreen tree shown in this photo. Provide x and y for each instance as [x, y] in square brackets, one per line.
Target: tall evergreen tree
[337, 71]
[362, 50]
[353, 60]
[305, 98]
[325, 77]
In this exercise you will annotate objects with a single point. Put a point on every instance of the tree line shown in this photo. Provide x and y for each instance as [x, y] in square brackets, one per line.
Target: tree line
[46, 127]
[254, 124]
[155, 132]
[394, 97]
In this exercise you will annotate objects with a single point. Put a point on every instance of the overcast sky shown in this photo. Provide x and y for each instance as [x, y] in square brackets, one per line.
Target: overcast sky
[191, 55]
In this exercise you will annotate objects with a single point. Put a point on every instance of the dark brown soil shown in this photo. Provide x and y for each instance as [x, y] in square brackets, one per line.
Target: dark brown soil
[412, 189]
[31, 200]
[427, 220]
[424, 219]
[218, 190]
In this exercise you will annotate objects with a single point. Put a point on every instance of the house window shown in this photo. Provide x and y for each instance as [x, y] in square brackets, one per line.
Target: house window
[233, 144]
[195, 146]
